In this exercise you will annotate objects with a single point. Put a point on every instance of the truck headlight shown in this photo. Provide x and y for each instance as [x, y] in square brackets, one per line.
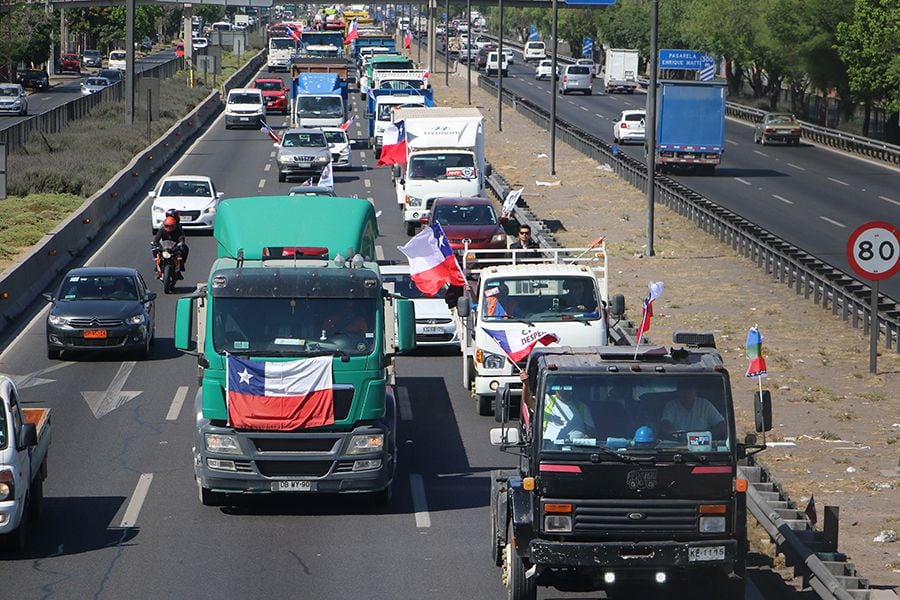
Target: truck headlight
[493, 361]
[136, 319]
[222, 444]
[712, 524]
[558, 524]
[56, 321]
[413, 202]
[7, 485]
[365, 444]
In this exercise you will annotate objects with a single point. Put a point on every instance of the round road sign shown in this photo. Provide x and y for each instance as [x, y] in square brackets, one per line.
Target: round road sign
[874, 250]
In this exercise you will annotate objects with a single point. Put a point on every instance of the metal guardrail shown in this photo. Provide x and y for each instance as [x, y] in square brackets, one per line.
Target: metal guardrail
[856, 144]
[826, 285]
[57, 119]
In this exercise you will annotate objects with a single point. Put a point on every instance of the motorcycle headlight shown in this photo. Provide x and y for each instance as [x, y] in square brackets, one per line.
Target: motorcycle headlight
[493, 361]
[166, 254]
[136, 319]
[222, 444]
[364, 444]
[321, 160]
[56, 320]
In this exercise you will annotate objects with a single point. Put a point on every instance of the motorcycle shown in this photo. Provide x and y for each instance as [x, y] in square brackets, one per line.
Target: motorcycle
[168, 264]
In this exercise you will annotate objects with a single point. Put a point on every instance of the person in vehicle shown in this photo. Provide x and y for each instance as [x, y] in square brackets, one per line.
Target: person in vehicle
[579, 296]
[565, 416]
[524, 241]
[497, 302]
[172, 212]
[170, 231]
[689, 412]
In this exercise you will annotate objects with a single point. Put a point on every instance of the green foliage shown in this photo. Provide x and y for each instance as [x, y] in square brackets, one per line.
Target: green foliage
[868, 45]
[210, 12]
[26, 220]
[26, 34]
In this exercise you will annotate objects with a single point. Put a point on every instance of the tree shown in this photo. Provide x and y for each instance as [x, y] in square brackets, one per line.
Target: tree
[25, 36]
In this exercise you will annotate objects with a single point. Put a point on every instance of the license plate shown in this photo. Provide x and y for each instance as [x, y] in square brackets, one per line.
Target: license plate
[304, 165]
[95, 334]
[186, 218]
[293, 486]
[245, 118]
[707, 553]
[432, 330]
[689, 156]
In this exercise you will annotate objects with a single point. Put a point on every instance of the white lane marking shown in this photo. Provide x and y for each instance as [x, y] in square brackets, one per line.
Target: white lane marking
[744, 181]
[362, 153]
[838, 181]
[420, 504]
[137, 500]
[34, 379]
[177, 402]
[113, 397]
[262, 183]
[267, 167]
[886, 199]
[379, 252]
[732, 142]
[760, 153]
[272, 154]
[785, 200]
[367, 182]
[833, 222]
[599, 115]
[572, 102]
[584, 108]
[403, 404]
[796, 167]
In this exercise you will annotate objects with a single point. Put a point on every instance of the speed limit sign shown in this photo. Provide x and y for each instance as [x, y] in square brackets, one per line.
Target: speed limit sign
[874, 250]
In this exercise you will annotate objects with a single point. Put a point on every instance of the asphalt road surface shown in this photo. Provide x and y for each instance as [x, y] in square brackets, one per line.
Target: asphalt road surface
[121, 515]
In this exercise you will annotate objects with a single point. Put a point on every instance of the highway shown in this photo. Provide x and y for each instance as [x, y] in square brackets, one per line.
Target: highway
[121, 514]
[809, 195]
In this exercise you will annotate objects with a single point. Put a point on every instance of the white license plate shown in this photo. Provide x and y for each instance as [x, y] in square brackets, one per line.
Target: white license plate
[245, 118]
[707, 553]
[293, 486]
[432, 330]
[186, 218]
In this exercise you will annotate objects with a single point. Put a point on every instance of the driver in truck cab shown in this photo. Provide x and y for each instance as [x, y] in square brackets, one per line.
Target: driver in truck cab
[497, 302]
[690, 412]
[565, 417]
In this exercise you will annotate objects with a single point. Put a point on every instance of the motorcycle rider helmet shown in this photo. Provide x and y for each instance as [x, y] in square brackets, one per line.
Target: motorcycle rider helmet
[173, 212]
[644, 436]
[169, 224]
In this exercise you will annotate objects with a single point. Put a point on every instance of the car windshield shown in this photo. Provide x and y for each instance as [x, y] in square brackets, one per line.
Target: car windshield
[534, 299]
[577, 70]
[109, 74]
[404, 286]
[320, 106]
[269, 86]
[442, 166]
[186, 188]
[98, 287]
[3, 427]
[9, 91]
[294, 326]
[117, 55]
[402, 84]
[385, 110]
[91, 53]
[462, 214]
[304, 140]
[240, 98]
[336, 137]
[659, 413]
[96, 81]
[393, 66]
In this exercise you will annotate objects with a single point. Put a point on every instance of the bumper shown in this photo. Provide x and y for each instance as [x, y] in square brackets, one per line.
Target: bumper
[122, 337]
[10, 516]
[632, 137]
[278, 64]
[489, 384]
[296, 170]
[781, 137]
[631, 557]
[277, 105]
[205, 222]
[341, 163]
[244, 120]
[10, 110]
[412, 215]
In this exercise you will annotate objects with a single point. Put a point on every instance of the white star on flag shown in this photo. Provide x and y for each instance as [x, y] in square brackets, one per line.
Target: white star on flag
[245, 376]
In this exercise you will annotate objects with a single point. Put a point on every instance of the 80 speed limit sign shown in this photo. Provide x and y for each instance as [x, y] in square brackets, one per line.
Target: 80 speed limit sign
[874, 250]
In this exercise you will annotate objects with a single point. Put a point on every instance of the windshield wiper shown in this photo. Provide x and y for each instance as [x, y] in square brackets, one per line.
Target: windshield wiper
[604, 451]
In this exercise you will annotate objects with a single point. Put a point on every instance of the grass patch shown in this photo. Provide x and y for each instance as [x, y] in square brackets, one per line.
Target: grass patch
[25, 221]
[844, 416]
[819, 393]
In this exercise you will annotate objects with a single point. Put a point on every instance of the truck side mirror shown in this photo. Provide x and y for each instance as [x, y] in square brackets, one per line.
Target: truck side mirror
[29, 436]
[406, 325]
[762, 404]
[504, 436]
[183, 323]
[617, 305]
[502, 403]
[463, 306]
[396, 171]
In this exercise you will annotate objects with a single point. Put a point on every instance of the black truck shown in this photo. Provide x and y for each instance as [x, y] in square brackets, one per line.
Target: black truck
[627, 471]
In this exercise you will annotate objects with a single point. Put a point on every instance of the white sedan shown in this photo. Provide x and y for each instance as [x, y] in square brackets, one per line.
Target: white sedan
[341, 153]
[435, 325]
[629, 127]
[92, 85]
[193, 196]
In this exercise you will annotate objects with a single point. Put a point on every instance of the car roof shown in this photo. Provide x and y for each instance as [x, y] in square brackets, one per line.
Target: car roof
[304, 130]
[258, 79]
[102, 271]
[332, 129]
[634, 111]
[188, 178]
[463, 201]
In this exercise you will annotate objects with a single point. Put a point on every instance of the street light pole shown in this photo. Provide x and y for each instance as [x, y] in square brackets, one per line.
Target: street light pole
[650, 123]
[469, 51]
[447, 44]
[553, 91]
[500, 70]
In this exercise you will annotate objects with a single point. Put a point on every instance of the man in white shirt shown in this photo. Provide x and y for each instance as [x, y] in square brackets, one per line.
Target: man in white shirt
[689, 412]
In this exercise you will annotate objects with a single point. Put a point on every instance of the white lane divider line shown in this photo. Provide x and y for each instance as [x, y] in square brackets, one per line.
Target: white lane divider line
[785, 200]
[744, 181]
[137, 500]
[272, 154]
[362, 153]
[760, 153]
[892, 201]
[267, 167]
[799, 168]
[584, 108]
[420, 504]
[732, 142]
[833, 222]
[403, 404]
[262, 183]
[379, 252]
[599, 115]
[177, 402]
[838, 181]
[367, 182]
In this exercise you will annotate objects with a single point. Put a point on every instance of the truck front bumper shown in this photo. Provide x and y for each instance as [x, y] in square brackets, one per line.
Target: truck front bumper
[636, 557]
[10, 516]
[486, 385]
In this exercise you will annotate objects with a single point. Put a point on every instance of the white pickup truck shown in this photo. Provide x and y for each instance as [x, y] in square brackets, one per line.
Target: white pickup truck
[24, 441]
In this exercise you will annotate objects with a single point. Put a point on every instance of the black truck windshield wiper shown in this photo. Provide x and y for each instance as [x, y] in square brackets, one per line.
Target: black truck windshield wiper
[627, 458]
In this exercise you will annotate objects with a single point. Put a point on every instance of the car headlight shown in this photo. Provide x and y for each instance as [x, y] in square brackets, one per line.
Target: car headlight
[17, 103]
[283, 159]
[136, 319]
[56, 320]
[498, 237]
[413, 202]
[210, 210]
[558, 524]
[345, 151]
[322, 159]
[493, 361]
[365, 444]
[222, 444]
[158, 209]
[712, 524]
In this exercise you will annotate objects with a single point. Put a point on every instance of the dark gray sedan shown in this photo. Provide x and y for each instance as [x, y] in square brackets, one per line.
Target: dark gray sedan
[101, 308]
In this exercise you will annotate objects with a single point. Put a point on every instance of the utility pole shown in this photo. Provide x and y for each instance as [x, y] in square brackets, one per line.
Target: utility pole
[129, 62]
[650, 122]
[553, 90]
[500, 69]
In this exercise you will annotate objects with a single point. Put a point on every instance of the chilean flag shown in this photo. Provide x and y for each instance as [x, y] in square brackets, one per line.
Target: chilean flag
[407, 39]
[431, 261]
[393, 148]
[346, 124]
[353, 33]
[280, 396]
[656, 290]
[270, 132]
[518, 344]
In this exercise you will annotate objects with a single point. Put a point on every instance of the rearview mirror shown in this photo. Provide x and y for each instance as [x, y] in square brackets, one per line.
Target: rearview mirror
[504, 436]
[463, 306]
[29, 436]
[396, 171]
[762, 404]
[47, 297]
[502, 403]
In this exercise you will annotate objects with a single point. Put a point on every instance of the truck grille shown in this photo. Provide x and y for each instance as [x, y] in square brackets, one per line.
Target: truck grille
[313, 444]
[633, 515]
[294, 468]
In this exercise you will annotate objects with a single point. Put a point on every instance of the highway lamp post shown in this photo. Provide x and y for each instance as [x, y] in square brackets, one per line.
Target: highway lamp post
[418, 36]
[553, 31]
[500, 68]
[447, 45]
[469, 51]
[129, 62]
[650, 122]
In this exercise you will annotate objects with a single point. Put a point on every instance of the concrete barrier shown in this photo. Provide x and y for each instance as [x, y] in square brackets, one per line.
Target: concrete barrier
[21, 285]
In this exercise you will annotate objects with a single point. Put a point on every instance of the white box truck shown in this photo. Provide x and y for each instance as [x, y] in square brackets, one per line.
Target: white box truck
[281, 53]
[621, 71]
[444, 158]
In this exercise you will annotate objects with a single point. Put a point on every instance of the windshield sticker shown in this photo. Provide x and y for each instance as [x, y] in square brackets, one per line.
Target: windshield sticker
[290, 342]
[241, 345]
[459, 172]
[492, 291]
[699, 441]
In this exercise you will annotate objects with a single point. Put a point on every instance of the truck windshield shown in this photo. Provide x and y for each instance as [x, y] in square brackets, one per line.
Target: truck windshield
[294, 326]
[282, 44]
[442, 166]
[635, 413]
[539, 299]
[393, 66]
[320, 106]
[385, 110]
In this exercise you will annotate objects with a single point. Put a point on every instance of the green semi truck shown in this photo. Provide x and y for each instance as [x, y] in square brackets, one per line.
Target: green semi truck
[294, 286]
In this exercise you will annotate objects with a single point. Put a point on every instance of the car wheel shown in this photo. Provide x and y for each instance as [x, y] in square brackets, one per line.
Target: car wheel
[484, 404]
[762, 140]
[227, 126]
[410, 229]
[282, 178]
[53, 353]
[144, 352]
[588, 92]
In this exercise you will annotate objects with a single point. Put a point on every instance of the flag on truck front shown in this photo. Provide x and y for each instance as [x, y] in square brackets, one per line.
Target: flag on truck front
[353, 32]
[393, 147]
[280, 396]
[431, 261]
[757, 366]
[270, 132]
[518, 343]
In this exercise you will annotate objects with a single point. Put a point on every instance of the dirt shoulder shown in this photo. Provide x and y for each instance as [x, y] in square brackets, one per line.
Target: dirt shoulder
[844, 422]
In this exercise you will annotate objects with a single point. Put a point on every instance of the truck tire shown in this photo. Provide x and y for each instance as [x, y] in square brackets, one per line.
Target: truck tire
[518, 586]
[281, 178]
[496, 541]
[36, 499]
[410, 229]
[209, 497]
[484, 404]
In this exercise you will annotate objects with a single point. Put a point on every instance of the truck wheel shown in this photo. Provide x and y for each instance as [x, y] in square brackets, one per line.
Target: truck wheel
[410, 229]
[468, 373]
[209, 497]
[281, 178]
[484, 405]
[518, 586]
[36, 500]
[496, 542]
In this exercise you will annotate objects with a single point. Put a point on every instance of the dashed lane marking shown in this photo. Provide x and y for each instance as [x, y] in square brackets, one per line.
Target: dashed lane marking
[833, 222]
[760, 153]
[420, 503]
[177, 402]
[799, 168]
[838, 181]
[267, 167]
[137, 500]
[744, 181]
[886, 199]
[262, 183]
[367, 182]
[783, 199]
[379, 252]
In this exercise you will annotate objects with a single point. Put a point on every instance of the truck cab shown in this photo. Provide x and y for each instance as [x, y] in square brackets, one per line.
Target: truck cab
[619, 480]
[382, 102]
[321, 100]
[280, 54]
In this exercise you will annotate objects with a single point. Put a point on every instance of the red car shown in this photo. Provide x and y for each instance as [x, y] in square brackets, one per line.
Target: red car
[468, 218]
[274, 94]
[69, 62]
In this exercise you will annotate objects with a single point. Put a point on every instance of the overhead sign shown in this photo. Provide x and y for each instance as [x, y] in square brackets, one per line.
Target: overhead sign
[590, 2]
[587, 47]
[873, 250]
[681, 59]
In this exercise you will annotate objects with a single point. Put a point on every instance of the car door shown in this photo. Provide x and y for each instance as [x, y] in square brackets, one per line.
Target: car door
[22, 460]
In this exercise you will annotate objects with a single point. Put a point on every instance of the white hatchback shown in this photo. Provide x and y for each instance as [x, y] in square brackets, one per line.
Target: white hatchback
[193, 196]
[435, 325]
[629, 126]
[341, 154]
[544, 70]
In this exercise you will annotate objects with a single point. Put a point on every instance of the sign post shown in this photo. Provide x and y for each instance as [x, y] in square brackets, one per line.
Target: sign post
[873, 251]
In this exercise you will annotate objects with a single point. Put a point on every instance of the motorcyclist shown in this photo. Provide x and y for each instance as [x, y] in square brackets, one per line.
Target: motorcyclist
[170, 231]
[173, 212]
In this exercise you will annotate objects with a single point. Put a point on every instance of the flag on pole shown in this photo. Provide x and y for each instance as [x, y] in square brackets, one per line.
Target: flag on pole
[307, 183]
[270, 132]
[407, 39]
[533, 33]
[393, 148]
[519, 343]
[279, 396]
[293, 33]
[509, 204]
[656, 290]
[431, 260]
[346, 125]
[810, 511]
[353, 32]
[757, 366]
[326, 179]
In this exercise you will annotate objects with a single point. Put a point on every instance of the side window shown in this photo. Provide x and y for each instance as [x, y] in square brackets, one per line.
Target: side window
[142, 286]
[16, 414]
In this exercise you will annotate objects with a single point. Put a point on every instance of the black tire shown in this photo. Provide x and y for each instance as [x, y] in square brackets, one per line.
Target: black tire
[210, 498]
[36, 501]
[377, 152]
[143, 353]
[383, 497]
[227, 126]
[282, 178]
[410, 229]
[484, 404]
[496, 545]
[518, 586]
[470, 380]
[589, 92]
[53, 353]
[168, 279]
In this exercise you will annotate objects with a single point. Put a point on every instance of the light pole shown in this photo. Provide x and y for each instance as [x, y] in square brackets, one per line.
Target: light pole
[500, 69]
[650, 123]
[469, 51]
[553, 91]
[447, 44]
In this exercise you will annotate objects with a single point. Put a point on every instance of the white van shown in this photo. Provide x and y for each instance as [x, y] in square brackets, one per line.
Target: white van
[245, 108]
[117, 60]
[534, 51]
